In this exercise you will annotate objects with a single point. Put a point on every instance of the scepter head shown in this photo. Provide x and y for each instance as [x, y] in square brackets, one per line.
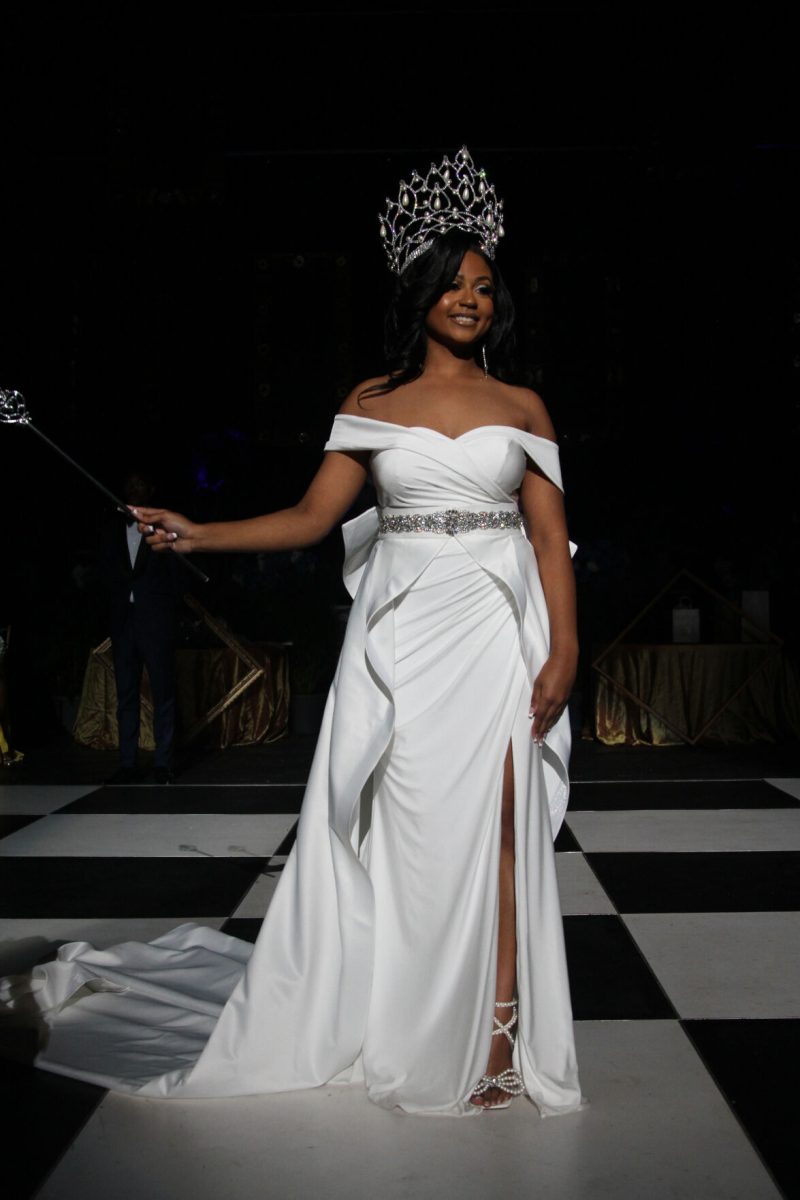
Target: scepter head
[13, 409]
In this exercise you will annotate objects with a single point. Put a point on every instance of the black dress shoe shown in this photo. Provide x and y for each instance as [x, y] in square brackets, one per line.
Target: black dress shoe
[125, 775]
[162, 775]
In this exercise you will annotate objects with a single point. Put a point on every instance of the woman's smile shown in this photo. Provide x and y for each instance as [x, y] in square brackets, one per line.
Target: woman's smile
[467, 304]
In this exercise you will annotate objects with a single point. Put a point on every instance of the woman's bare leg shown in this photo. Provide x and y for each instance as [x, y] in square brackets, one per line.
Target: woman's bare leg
[500, 1053]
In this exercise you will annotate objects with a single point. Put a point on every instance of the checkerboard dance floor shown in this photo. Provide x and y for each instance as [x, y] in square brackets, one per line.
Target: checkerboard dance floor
[681, 900]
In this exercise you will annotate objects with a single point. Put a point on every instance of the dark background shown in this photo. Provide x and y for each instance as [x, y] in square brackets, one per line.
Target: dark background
[192, 279]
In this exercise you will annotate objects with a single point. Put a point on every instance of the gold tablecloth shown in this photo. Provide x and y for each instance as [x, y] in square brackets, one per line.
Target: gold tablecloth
[204, 677]
[684, 687]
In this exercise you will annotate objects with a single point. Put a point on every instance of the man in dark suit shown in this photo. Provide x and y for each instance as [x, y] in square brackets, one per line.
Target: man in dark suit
[143, 626]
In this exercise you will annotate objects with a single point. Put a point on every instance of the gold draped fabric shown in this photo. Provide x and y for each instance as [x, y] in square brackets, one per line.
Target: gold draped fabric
[204, 679]
[714, 694]
[260, 714]
[7, 755]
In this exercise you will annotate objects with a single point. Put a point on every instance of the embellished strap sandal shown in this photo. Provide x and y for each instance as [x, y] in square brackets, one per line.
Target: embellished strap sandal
[509, 1081]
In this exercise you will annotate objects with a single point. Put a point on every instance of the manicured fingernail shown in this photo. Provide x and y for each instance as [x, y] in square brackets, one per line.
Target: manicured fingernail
[151, 528]
[173, 537]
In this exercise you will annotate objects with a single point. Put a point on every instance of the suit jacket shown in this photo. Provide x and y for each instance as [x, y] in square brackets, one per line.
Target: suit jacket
[152, 579]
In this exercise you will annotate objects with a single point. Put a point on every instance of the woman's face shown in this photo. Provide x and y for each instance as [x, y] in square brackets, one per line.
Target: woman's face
[463, 315]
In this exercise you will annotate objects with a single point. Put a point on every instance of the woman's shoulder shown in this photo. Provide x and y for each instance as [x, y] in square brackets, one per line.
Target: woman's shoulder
[351, 405]
[532, 410]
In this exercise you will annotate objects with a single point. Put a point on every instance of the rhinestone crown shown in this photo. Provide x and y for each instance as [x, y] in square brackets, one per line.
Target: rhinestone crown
[453, 195]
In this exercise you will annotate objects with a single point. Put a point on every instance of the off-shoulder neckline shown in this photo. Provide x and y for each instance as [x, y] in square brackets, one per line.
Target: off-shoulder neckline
[438, 432]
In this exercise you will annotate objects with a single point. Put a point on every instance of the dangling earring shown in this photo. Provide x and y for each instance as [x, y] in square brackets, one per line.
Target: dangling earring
[485, 362]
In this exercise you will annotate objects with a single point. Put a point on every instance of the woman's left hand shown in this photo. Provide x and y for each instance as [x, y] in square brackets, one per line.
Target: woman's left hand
[551, 691]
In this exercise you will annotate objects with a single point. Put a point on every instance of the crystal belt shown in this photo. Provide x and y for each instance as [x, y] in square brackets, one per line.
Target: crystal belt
[451, 520]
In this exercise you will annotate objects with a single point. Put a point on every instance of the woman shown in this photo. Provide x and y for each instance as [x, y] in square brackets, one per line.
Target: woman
[420, 899]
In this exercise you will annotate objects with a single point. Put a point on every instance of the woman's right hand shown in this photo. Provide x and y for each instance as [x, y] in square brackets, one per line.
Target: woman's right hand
[165, 530]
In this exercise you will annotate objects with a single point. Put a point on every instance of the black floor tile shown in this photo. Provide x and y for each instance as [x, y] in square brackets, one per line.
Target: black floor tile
[702, 882]
[676, 793]
[10, 823]
[183, 799]
[287, 843]
[246, 928]
[753, 1063]
[284, 761]
[288, 759]
[65, 761]
[42, 1115]
[609, 979]
[565, 840]
[124, 887]
[760, 760]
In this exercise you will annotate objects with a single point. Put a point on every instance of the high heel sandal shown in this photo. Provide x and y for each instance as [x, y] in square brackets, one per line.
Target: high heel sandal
[510, 1080]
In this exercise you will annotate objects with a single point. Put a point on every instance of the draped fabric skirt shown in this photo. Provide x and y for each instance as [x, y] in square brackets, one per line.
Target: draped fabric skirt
[433, 846]
[376, 963]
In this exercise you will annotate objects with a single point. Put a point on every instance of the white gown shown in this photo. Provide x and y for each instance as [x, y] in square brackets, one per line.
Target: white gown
[376, 961]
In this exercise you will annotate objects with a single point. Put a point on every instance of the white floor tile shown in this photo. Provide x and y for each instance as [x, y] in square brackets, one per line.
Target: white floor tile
[790, 786]
[725, 965]
[674, 831]
[34, 799]
[581, 893]
[24, 942]
[656, 1127]
[151, 835]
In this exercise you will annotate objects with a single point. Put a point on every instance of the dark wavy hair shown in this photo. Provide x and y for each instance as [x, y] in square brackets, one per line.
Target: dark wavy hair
[416, 291]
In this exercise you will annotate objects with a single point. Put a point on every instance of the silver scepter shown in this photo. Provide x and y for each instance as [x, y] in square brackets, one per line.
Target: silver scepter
[14, 411]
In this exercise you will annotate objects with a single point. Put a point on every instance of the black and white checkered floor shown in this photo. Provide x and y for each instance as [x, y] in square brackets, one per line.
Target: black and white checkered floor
[681, 899]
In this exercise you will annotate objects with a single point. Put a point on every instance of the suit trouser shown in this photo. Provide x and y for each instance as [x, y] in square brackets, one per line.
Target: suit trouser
[145, 640]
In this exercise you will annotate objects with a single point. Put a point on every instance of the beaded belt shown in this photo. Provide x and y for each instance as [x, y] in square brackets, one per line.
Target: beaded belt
[451, 520]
